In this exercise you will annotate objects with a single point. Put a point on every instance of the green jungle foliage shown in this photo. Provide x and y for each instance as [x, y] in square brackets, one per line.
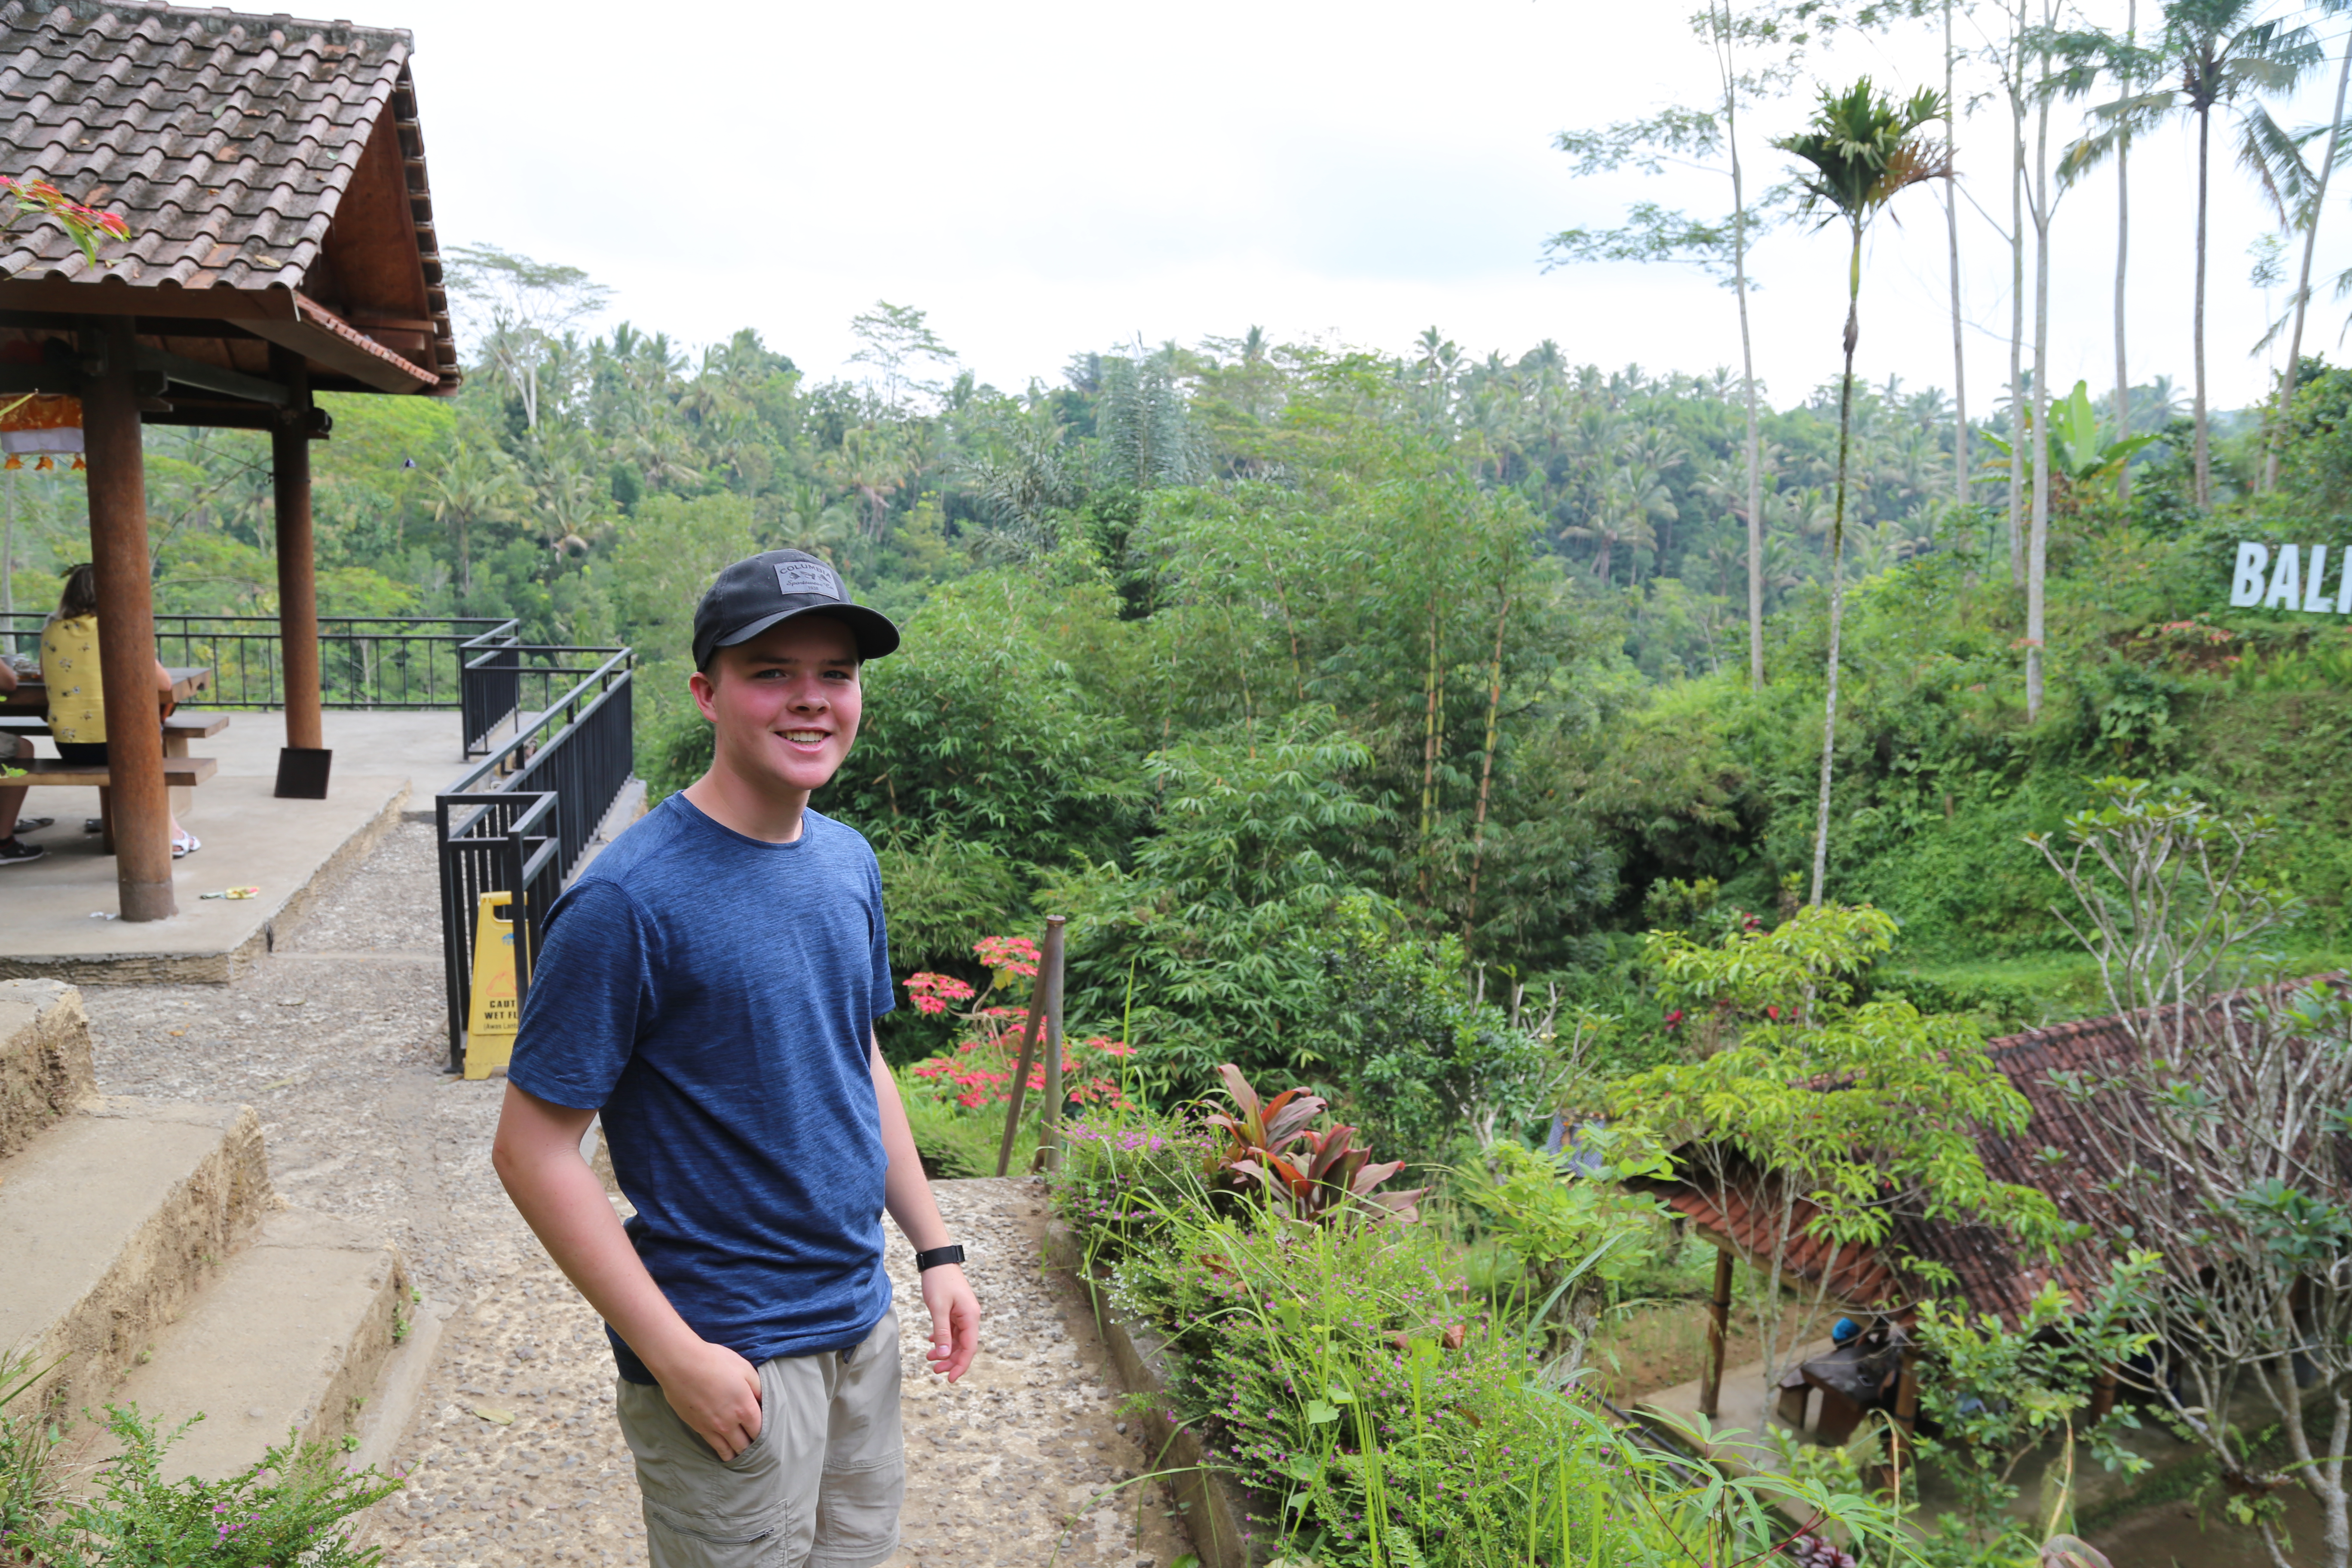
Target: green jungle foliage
[1316, 686]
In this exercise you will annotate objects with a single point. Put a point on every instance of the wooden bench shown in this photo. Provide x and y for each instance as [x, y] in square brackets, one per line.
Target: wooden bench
[178, 731]
[180, 773]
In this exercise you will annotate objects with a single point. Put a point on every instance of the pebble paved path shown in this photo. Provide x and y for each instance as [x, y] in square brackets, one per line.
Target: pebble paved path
[337, 1039]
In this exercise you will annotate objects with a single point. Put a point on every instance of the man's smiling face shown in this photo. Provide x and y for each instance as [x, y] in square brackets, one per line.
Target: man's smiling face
[786, 702]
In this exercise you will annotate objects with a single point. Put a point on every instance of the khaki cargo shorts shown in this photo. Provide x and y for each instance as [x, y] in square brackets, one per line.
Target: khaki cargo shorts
[820, 1485]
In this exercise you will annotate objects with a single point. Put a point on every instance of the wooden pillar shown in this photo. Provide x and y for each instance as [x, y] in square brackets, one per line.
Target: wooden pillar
[298, 596]
[1718, 1330]
[2103, 1395]
[126, 626]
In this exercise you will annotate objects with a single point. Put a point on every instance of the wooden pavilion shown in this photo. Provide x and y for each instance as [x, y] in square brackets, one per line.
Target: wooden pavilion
[273, 175]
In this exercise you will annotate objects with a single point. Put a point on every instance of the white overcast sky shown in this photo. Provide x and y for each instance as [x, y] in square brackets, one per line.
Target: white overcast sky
[1044, 177]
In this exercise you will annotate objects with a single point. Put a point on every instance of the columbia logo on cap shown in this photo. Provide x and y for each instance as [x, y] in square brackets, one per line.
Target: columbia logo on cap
[808, 577]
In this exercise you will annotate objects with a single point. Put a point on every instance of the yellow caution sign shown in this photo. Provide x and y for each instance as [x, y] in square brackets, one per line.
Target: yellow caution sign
[490, 1022]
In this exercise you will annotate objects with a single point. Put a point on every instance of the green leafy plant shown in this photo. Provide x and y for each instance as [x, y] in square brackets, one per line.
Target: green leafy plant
[1823, 1116]
[286, 1507]
[1997, 1393]
[1576, 1232]
[28, 1477]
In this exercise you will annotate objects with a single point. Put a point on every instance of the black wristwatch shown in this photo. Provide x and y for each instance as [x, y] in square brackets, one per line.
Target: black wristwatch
[937, 1256]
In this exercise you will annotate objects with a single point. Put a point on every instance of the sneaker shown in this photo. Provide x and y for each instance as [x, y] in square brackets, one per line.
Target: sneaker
[15, 852]
[185, 845]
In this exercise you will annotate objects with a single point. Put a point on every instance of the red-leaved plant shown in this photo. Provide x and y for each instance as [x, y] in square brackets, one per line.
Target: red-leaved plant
[1331, 1178]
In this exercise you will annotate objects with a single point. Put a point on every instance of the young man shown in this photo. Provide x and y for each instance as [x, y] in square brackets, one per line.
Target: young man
[710, 985]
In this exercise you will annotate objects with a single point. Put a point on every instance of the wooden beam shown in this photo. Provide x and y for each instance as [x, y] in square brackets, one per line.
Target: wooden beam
[206, 377]
[126, 627]
[326, 340]
[298, 596]
[112, 299]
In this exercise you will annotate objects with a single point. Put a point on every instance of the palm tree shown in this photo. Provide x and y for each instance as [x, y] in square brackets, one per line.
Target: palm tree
[2263, 146]
[477, 485]
[1859, 150]
[2222, 55]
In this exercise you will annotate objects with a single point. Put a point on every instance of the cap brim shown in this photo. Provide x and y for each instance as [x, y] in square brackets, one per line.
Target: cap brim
[876, 636]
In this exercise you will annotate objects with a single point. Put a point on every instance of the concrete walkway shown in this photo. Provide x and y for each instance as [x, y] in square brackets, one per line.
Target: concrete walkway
[337, 1038]
[54, 912]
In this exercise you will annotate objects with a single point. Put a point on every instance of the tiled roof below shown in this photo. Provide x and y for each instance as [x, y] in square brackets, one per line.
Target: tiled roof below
[2061, 1152]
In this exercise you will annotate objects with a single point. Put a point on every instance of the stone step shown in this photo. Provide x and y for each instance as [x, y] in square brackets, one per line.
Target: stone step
[45, 1071]
[115, 1217]
[291, 1336]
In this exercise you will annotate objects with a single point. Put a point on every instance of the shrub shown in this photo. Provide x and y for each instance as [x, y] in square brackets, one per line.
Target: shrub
[287, 1508]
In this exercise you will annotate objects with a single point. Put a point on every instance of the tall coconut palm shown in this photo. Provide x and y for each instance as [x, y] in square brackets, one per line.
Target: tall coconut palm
[1861, 150]
[2264, 148]
[2224, 55]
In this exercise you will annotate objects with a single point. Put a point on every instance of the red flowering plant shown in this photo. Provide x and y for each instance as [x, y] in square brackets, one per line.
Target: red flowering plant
[87, 227]
[978, 1072]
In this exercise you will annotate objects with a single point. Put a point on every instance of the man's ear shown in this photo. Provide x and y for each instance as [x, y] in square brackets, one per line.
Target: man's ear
[704, 685]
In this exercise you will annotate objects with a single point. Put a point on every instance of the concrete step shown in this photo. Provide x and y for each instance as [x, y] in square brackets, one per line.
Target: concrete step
[44, 1069]
[114, 1217]
[293, 1334]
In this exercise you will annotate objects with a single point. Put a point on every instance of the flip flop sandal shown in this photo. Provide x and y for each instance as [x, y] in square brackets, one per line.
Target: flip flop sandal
[185, 845]
[34, 824]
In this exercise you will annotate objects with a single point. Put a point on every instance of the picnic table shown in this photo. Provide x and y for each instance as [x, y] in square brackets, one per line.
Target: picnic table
[32, 698]
[28, 707]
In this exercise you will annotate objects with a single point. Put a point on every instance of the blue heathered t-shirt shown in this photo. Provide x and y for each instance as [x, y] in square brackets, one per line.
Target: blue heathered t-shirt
[713, 996]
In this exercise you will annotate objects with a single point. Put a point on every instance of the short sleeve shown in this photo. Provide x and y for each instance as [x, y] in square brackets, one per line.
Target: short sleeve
[591, 995]
[884, 996]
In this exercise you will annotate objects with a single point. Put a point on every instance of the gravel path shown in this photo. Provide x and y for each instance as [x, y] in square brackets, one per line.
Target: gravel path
[513, 1457]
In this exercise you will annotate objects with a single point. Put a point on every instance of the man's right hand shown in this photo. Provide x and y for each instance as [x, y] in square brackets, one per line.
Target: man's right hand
[714, 1390]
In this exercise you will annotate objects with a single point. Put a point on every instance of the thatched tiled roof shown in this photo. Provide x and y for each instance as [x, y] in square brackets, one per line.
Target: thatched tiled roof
[250, 154]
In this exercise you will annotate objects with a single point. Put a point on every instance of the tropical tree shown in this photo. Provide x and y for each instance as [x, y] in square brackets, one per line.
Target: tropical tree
[521, 311]
[1653, 233]
[1823, 1174]
[2263, 137]
[477, 485]
[2224, 1127]
[2225, 53]
[1861, 150]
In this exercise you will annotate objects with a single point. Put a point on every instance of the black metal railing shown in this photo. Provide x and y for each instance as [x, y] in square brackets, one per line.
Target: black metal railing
[364, 661]
[508, 679]
[492, 843]
[522, 822]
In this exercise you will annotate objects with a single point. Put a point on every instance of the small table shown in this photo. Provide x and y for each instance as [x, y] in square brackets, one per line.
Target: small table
[32, 697]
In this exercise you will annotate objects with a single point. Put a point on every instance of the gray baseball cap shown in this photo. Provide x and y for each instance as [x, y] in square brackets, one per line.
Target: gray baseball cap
[773, 586]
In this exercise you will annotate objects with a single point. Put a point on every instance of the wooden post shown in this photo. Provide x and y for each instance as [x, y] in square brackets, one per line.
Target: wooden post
[142, 810]
[2103, 1395]
[1719, 1328]
[1049, 1118]
[1029, 1028]
[297, 597]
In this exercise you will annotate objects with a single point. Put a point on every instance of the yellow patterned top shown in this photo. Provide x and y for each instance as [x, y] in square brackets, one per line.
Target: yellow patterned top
[69, 669]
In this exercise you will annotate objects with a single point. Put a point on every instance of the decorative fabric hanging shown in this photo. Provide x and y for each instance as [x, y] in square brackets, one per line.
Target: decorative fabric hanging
[46, 426]
[43, 426]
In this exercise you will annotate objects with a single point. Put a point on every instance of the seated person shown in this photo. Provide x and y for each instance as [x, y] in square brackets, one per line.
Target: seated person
[76, 695]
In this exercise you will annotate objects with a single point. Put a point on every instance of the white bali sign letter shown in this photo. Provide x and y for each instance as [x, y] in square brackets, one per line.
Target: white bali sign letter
[2295, 579]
